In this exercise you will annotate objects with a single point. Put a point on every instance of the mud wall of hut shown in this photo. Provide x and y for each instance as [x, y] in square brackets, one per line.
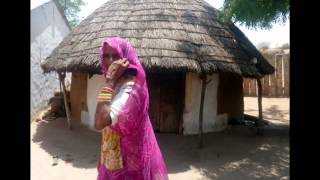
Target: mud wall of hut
[192, 104]
[230, 96]
[223, 95]
[78, 95]
[47, 30]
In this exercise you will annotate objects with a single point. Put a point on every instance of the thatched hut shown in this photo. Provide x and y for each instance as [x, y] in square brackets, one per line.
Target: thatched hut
[181, 44]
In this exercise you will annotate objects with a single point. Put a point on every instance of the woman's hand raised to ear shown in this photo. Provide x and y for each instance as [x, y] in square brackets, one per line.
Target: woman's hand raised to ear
[116, 69]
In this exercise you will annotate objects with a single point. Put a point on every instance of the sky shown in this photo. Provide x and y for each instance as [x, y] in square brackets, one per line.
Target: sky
[276, 36]
[36, 3]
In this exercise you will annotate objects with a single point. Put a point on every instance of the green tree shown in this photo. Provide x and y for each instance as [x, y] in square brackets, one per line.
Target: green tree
[263, 45]
[255, 13]
[285, 46]
[71, 9]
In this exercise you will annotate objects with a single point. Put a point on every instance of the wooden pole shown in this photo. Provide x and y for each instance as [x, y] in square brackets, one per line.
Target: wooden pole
[203, 77]
[62, 77]
[182, 103]
[60, 83]
[260, 121]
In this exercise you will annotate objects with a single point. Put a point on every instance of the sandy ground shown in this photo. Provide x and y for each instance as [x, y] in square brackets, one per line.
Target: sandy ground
[236, 153]
[274, 109]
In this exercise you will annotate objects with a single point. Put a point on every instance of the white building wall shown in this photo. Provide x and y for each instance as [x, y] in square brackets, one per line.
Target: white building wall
[48, 28]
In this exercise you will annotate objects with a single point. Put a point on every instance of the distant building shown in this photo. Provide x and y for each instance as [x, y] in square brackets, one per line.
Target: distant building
[48, 27]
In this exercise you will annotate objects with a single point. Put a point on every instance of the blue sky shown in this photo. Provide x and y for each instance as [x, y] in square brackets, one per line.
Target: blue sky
[276, 36]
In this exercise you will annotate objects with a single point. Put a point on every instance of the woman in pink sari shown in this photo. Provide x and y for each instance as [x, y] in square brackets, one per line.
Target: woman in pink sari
[129, 147]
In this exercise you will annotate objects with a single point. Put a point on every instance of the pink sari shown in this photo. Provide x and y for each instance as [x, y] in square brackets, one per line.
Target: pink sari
[142, 158]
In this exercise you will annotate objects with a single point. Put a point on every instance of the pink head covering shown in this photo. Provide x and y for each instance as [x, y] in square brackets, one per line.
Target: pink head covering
[124, 50]
[139, 148]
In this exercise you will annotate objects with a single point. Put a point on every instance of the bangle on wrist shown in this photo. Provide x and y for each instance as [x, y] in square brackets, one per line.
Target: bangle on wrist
[105, 95]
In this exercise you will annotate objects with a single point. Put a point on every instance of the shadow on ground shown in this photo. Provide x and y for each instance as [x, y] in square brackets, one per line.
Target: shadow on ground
[236, 153]
[233, 154]
[79, 147]
[272, 113]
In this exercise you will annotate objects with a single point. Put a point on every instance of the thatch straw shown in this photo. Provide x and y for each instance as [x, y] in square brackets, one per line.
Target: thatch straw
[178, 35]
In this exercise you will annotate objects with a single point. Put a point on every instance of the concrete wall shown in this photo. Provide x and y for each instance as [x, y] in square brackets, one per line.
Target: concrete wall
[192, 104]
[48, 28]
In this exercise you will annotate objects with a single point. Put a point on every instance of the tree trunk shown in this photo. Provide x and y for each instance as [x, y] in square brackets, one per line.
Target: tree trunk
[203, 91]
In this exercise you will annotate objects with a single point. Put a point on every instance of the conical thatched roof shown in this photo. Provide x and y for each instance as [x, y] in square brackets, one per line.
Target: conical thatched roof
[182, 35]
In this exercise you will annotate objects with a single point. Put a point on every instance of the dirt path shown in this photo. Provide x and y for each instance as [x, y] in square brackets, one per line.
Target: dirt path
[232, 154]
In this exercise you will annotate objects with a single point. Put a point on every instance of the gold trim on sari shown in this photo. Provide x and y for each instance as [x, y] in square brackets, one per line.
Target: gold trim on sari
[110, 150]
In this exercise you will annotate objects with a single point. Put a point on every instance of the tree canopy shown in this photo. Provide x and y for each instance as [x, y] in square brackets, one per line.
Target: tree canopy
[255, 13]
[71, 9]
[263, 45]
[285, 46]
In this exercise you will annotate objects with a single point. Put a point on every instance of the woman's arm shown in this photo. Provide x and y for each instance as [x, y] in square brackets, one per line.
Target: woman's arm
[102, 116]
[116, 105]
[115, 70]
